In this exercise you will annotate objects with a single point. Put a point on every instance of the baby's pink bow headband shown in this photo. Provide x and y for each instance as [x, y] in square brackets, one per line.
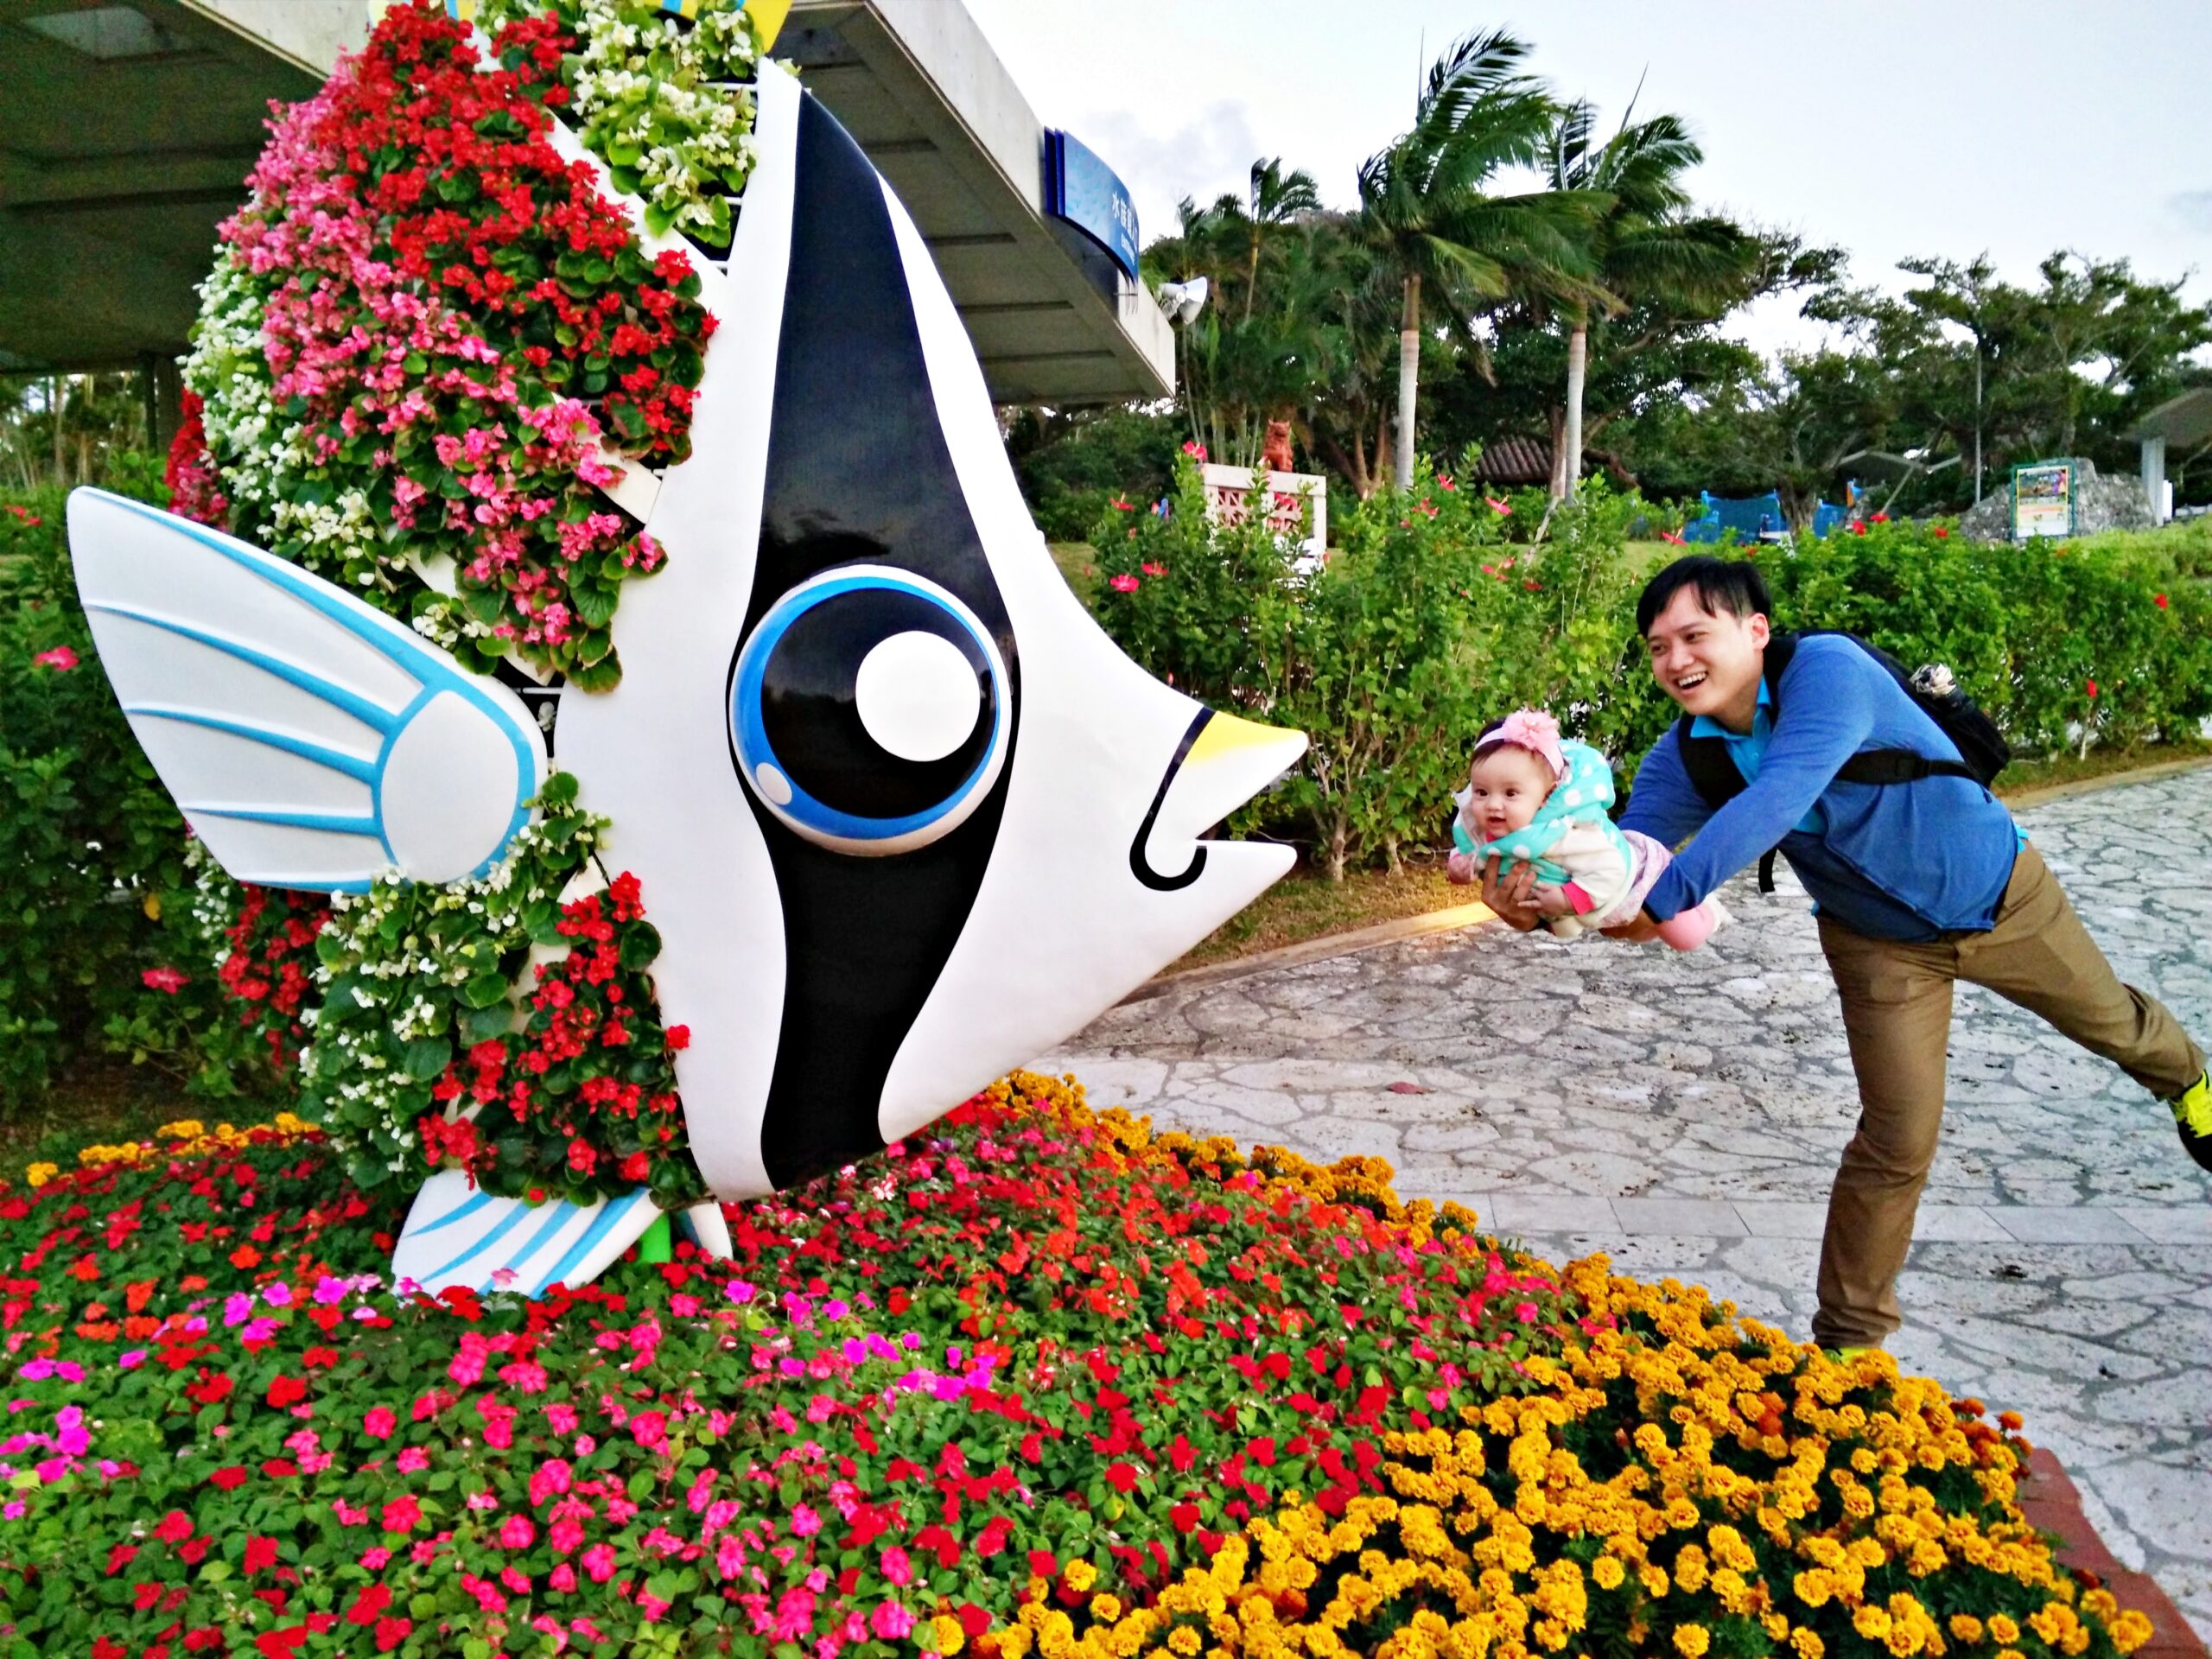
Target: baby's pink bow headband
[1533, 730]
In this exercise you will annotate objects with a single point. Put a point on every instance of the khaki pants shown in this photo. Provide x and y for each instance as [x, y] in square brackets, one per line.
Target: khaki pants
[1897, 1012]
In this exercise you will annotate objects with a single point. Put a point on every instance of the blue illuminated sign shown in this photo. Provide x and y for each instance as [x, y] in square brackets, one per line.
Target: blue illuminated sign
[1082, 190]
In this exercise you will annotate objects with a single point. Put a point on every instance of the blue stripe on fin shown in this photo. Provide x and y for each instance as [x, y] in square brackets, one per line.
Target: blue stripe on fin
[505, 1225]
[336, 823]
[461, 1211]
[603, 1223]
[562, 1212]
[352, 765]
[370, 715]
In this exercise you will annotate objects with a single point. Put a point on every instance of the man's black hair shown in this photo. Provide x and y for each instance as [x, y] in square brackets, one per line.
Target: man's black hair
[1731, 585]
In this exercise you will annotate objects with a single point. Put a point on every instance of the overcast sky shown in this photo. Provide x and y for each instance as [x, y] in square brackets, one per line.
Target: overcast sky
[1886, 127]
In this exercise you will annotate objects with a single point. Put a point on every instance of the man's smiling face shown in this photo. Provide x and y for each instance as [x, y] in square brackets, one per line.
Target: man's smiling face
[1710, 663]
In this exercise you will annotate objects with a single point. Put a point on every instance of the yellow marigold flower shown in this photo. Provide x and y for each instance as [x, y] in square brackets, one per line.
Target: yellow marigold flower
[1080, 1575]
[1808, 1645]
[1608, 1572]
[40, 1174]
[2130, 1631]
[946, 1634]
[1814, 1586]
[184, 1128]
[1183, 1640]
[2003, 1630]
[1966, 1627]
[1105, 1608]
[1691, 1640]
[1870, 1622]
[1777, 1627]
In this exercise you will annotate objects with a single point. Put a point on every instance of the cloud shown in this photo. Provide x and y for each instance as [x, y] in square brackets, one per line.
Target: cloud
[2192, 207]
[1212, 152]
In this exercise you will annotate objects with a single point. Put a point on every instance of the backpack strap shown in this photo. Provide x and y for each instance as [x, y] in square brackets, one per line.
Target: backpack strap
[1712, 771]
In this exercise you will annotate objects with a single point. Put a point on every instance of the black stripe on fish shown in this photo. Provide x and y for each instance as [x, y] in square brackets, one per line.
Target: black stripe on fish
[858, 472]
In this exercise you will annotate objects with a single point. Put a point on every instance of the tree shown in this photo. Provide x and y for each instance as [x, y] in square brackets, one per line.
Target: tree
[1646, 249]
[1426, 210]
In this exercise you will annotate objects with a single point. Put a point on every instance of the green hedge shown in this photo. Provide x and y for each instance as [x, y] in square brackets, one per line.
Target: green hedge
[97, 901]
[1440, 610]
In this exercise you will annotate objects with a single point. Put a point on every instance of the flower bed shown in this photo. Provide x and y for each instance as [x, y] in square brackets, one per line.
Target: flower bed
[1041, 1381]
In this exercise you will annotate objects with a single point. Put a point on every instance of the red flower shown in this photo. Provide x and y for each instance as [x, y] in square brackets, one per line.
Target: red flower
[1941, 532]
[173, 1527]
[2158, 599]
[1122, 1477]
[230, 1479]
[678, 1038]
[1161, 570]
[2093, 688]
[260, 1555]
[1119, 506]
[402, 1514]
[1881, 518]
[166, 980]
[1182, 1516]
[61, 660]
[285, 1391]
[390, 1632]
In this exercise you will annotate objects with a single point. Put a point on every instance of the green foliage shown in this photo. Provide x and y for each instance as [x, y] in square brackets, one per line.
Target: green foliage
[2069, 644]
[98, 894]
[1073, 464]
[1435, 615]
[1440, 612]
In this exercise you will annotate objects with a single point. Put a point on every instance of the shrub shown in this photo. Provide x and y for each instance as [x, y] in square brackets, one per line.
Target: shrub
[1041, 1381]
[98, 946]
[2064, 643]
[1428, 620]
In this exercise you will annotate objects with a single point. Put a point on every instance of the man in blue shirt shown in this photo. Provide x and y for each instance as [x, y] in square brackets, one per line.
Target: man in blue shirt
[1917, 885]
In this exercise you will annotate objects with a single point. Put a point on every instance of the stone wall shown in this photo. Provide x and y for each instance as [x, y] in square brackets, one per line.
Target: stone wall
[2101, 502]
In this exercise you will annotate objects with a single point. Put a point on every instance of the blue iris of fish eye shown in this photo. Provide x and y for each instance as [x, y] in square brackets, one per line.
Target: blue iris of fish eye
[830, 779]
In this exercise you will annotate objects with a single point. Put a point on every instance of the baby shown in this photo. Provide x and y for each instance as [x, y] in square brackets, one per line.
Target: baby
[1533, 796]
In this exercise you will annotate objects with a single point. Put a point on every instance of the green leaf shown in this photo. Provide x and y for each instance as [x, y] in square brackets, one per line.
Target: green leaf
[485, 990]
[427, 1057]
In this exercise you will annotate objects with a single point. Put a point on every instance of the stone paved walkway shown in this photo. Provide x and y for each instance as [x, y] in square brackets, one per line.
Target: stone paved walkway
[1684, 1113]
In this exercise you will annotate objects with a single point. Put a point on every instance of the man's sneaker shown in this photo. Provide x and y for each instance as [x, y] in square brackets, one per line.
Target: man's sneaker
[2193, 1117]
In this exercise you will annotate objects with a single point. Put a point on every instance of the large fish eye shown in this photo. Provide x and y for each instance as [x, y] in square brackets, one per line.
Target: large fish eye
[869, 710]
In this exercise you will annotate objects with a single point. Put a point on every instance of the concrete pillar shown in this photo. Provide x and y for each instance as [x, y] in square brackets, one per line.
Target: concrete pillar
[2154, 478]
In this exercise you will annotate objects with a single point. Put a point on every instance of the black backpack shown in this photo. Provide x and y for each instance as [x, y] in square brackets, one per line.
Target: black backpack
[1982, 747]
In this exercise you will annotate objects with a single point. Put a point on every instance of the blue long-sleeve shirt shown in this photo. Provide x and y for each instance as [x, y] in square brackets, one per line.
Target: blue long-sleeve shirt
[1903, 861]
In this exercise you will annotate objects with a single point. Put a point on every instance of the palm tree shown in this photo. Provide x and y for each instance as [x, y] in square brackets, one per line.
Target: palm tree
[1277, 198]
[1645, 250]
[1425, 206]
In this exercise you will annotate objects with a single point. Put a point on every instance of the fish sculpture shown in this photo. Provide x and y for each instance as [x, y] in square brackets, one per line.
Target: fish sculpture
[907, 816]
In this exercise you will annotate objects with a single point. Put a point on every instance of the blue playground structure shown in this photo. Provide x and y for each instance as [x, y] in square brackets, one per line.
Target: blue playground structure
[1757, 518]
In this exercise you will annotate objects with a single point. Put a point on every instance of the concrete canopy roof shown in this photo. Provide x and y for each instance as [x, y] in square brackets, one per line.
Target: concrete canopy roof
[2183, 422]
[126, 131]
[125, 135]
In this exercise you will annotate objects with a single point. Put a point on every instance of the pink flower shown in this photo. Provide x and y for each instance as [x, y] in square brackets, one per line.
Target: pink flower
[1155, 570]
[804, 1521]
[891, 1621]
[896, 1568]
[1197, 452]
[168, 981]
[1122, 584]
[598, 1563]
[402, 1514]
[1498, 506]
[62, 660]
[380, 1423]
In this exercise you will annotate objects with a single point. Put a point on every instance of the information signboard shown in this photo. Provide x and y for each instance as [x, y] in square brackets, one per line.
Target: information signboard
[1086, 193]
[2043, 497]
